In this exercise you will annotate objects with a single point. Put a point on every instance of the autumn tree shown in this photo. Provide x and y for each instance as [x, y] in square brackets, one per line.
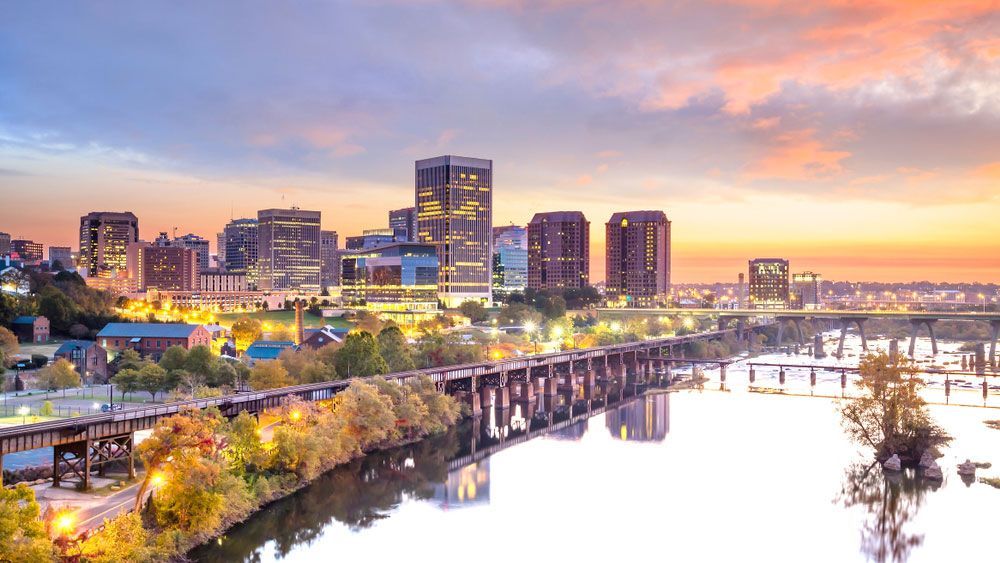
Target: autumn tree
[269, 375]
[8, 343]
[888, 414]
[367, 414]
[61, 375]
[22, 532]
[245, 332]
[244, 449]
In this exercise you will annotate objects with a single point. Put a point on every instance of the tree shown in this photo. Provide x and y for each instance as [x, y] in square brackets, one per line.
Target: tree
[57, 307]
[130, 359]
[360, 357]
[282, 332]
[8, 343]
[152, 379]
[246, 331]
[474, 310]
[23, 532]
[127, 381]
[79, 331]
[395, 350]
[191, 433]
[59, 376]
[174, 358]
[889, 414]
[554, 307]
[367, 414]
[200, 360]
[123, 538]
[244, 449]
[269, 375]
[46, 409]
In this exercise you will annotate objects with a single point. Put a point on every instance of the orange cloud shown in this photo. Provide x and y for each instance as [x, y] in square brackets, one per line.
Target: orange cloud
[797, 155]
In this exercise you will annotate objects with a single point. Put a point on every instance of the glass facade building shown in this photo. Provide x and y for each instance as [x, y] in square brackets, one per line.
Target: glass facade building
[242, 248]
[329, 259]
[196, 243]
[454, 202]
[510, 259]
[289, 250]
[396, 277]
[769, 283]
[104, 240]
[806, 293]
[405, 218]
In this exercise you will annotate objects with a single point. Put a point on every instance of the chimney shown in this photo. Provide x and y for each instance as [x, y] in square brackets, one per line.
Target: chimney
[300, 332]
[740, 296]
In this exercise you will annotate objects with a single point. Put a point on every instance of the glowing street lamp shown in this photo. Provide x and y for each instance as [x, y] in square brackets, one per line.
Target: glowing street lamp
[23, 411]
[64, 523]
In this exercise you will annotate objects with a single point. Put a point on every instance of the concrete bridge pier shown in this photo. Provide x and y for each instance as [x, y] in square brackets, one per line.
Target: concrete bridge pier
[915, 325]
[550, 387]
[994, 334]
[722, 372]
[486, 396]
[753, 375]
[472, 398]
[844, 323]
[523, 392]
[981, 359]
[502, 399]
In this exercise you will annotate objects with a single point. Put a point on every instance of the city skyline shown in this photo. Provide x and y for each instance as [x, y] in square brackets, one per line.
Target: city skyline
[744, 121]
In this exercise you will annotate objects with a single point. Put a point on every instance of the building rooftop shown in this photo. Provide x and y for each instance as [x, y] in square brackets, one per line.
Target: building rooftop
[147, 330]
[453, 160]
[648, 216]
[24, 320]
[71, 345]
[268, 349]
[563, 216]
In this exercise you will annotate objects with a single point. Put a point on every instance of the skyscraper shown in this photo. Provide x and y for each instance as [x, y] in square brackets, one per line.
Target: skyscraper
[510, 259]
[806, 293]
[168, 268]
[289, 241]
[220, 250]
[242, 250]
[196, 243]
[4, 244]
[768, 283]
[405, 218]
[63, 255]
[31, 252]
[329, 259]
[104, 239]
[558, 250]
[638, 258]
[454, 202]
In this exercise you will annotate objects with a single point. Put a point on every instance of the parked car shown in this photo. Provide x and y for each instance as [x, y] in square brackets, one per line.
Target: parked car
[108, 408]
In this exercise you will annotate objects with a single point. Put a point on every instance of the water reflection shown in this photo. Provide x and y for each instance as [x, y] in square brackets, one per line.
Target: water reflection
[891, 500]
[644, 420]
[467, 486]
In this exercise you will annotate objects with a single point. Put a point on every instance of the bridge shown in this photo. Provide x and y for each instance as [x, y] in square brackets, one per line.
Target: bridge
[85, 444]
[917, 319]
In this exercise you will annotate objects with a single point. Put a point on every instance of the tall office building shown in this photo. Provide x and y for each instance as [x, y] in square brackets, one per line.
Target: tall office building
[374, 238]
[4, 244]
[289, 246]
[31, 252]
[510, 259]
[242, 248]
[405, 218]
[805, 292]
[104, 240]
[329, 257]
[638, 258]
[558, 250]
[63, 255]
[397, 277]
[454, 202]
[168, 268]
[768, 283]
[220, 250]
[196, 243]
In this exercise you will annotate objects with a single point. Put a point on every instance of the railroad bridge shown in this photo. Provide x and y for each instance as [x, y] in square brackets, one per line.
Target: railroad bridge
[82, 445]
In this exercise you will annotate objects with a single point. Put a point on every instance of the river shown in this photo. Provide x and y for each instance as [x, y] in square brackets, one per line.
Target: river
[704, 475]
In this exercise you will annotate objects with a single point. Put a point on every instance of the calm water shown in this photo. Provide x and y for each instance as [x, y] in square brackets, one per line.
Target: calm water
[695, 475]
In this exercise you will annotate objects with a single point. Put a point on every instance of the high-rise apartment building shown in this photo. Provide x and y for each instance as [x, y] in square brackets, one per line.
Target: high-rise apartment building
[454, 203]
[405, 218]
[196, 243]
[289, 246]
[329, 259]
[31, 252]
[242, 248]
[805, 292]
[768, 282]
[168, 268]
[104, 240]
[558, 250]
[510, 259]
[638, 258]
[4, 244]
[220, 250]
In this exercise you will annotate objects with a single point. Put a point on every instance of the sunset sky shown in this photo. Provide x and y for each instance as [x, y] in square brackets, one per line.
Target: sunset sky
[860, 140]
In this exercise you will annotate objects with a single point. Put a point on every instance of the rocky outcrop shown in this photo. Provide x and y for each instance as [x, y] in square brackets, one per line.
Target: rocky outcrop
[967, 469]
[934, 472]
[893, 463]
[926, 460]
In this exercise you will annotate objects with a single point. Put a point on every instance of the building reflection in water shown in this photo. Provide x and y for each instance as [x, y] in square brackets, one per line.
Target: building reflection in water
[644, 420]
[573, 432]
[465, 487]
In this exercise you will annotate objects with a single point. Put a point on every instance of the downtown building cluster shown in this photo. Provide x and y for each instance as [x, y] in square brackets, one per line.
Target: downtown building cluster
[442, 251]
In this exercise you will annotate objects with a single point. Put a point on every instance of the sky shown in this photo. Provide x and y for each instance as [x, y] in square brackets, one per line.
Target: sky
[860, 140]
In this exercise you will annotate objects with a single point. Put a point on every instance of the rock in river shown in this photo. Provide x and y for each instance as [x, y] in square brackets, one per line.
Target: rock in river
[893, 463]
[933, 472]
[926, 460]
[967, 468]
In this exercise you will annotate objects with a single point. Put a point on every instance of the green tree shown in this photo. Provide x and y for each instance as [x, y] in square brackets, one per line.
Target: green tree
[360, 357]
[200, 360]
[22, 531]
[127, 381]
[889, 414]
[244, 449]
[442, 410]
[395, 350]
[122, 538]
[61, 311]
[152, 379]
[61, 375]
[269, 375]
[131, 359]
[554, 307]
[245, 332]
[174, 358]
[46, 409]
[474, 310]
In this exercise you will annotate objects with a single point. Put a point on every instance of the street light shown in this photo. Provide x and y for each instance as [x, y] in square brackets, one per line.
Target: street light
[23, 411]
[529, 328]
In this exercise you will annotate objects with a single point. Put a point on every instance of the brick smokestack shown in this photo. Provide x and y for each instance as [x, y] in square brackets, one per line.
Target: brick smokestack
[300, 331]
